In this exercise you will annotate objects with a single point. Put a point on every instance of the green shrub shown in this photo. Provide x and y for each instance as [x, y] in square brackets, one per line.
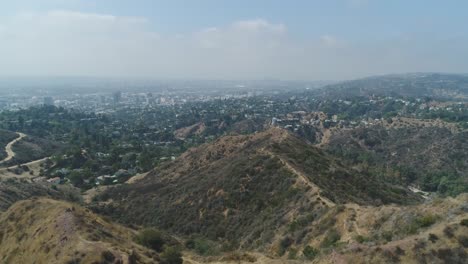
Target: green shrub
[448, 231]
[151, 238]
[427, 220]
[292, 253]
[238, 257]
[420, 222]
[464, 222]
[340, 208]
[203, 246]
[190, 244]
[361, 239]
[171, 255]
[301, 222]
[387, 235]
[285, 243]
[399, 251]
[463, 240]
[331, 238]
[433, 238]
[310, 253]
[107, 256]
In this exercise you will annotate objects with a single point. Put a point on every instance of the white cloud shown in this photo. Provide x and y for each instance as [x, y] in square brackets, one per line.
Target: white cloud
[73, 43]
[328, 40]
[68, 43]
[257, 25]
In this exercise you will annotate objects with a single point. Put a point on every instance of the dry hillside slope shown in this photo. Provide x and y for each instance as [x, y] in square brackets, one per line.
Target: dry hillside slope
[49, 231]
[247, 190]
[433, 232]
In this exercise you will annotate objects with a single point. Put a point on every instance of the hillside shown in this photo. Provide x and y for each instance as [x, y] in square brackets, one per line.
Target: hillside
[5, 138]
[14, 190]
[32, 148]
[49, 231]
[23, 148]
[245, 190]
[433, 232]
[435, 85]
[432, 157]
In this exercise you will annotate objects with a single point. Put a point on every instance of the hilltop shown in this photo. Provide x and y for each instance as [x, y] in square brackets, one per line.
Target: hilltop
[14, 190]
[49, 231]
[246, 190]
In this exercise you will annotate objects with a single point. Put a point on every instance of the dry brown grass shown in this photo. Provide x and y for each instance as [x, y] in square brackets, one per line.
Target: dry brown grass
[49, 231]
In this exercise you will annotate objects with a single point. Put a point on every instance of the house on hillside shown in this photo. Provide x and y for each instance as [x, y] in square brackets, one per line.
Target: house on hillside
[55, 180]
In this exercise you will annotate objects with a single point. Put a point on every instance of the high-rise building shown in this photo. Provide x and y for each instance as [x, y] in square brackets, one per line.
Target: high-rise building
[117, 97]
[48, 100]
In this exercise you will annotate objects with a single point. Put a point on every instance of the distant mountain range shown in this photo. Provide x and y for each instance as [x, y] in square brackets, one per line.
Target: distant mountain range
[435, 85]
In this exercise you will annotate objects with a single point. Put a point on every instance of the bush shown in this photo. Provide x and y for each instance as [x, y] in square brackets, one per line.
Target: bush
[292, 253]
[399, 251]
[190, 244]
[310, 253]
[387, 235]
[433, 238]
[301, 222]
[202, 246]
[463, 240]
[151, 238]
[464, 222]
[107, 256]
[421, 222]
[361, 239]
[331, 238]
[171, 255]
[426, 220]
[448, 231]
[238, 257]
[285, 243]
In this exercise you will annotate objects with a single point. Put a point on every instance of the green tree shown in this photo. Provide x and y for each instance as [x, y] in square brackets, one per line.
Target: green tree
[310, 252]
[151, 238]
[76, 179]
[171, 255]
[21, 122]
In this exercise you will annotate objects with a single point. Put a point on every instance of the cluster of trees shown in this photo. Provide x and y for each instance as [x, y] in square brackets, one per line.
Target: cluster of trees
[433, 158]
[94, 145]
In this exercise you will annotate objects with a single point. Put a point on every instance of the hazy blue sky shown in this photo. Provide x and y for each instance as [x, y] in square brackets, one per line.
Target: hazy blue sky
[238, 39]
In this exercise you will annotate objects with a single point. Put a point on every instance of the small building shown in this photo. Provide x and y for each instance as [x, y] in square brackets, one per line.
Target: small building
[55, 180]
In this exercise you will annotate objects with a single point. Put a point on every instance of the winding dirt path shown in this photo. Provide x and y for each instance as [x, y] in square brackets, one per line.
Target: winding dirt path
[35, 166]
[305, 180]
[302, 178]
[325, 138]
[9, 148]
